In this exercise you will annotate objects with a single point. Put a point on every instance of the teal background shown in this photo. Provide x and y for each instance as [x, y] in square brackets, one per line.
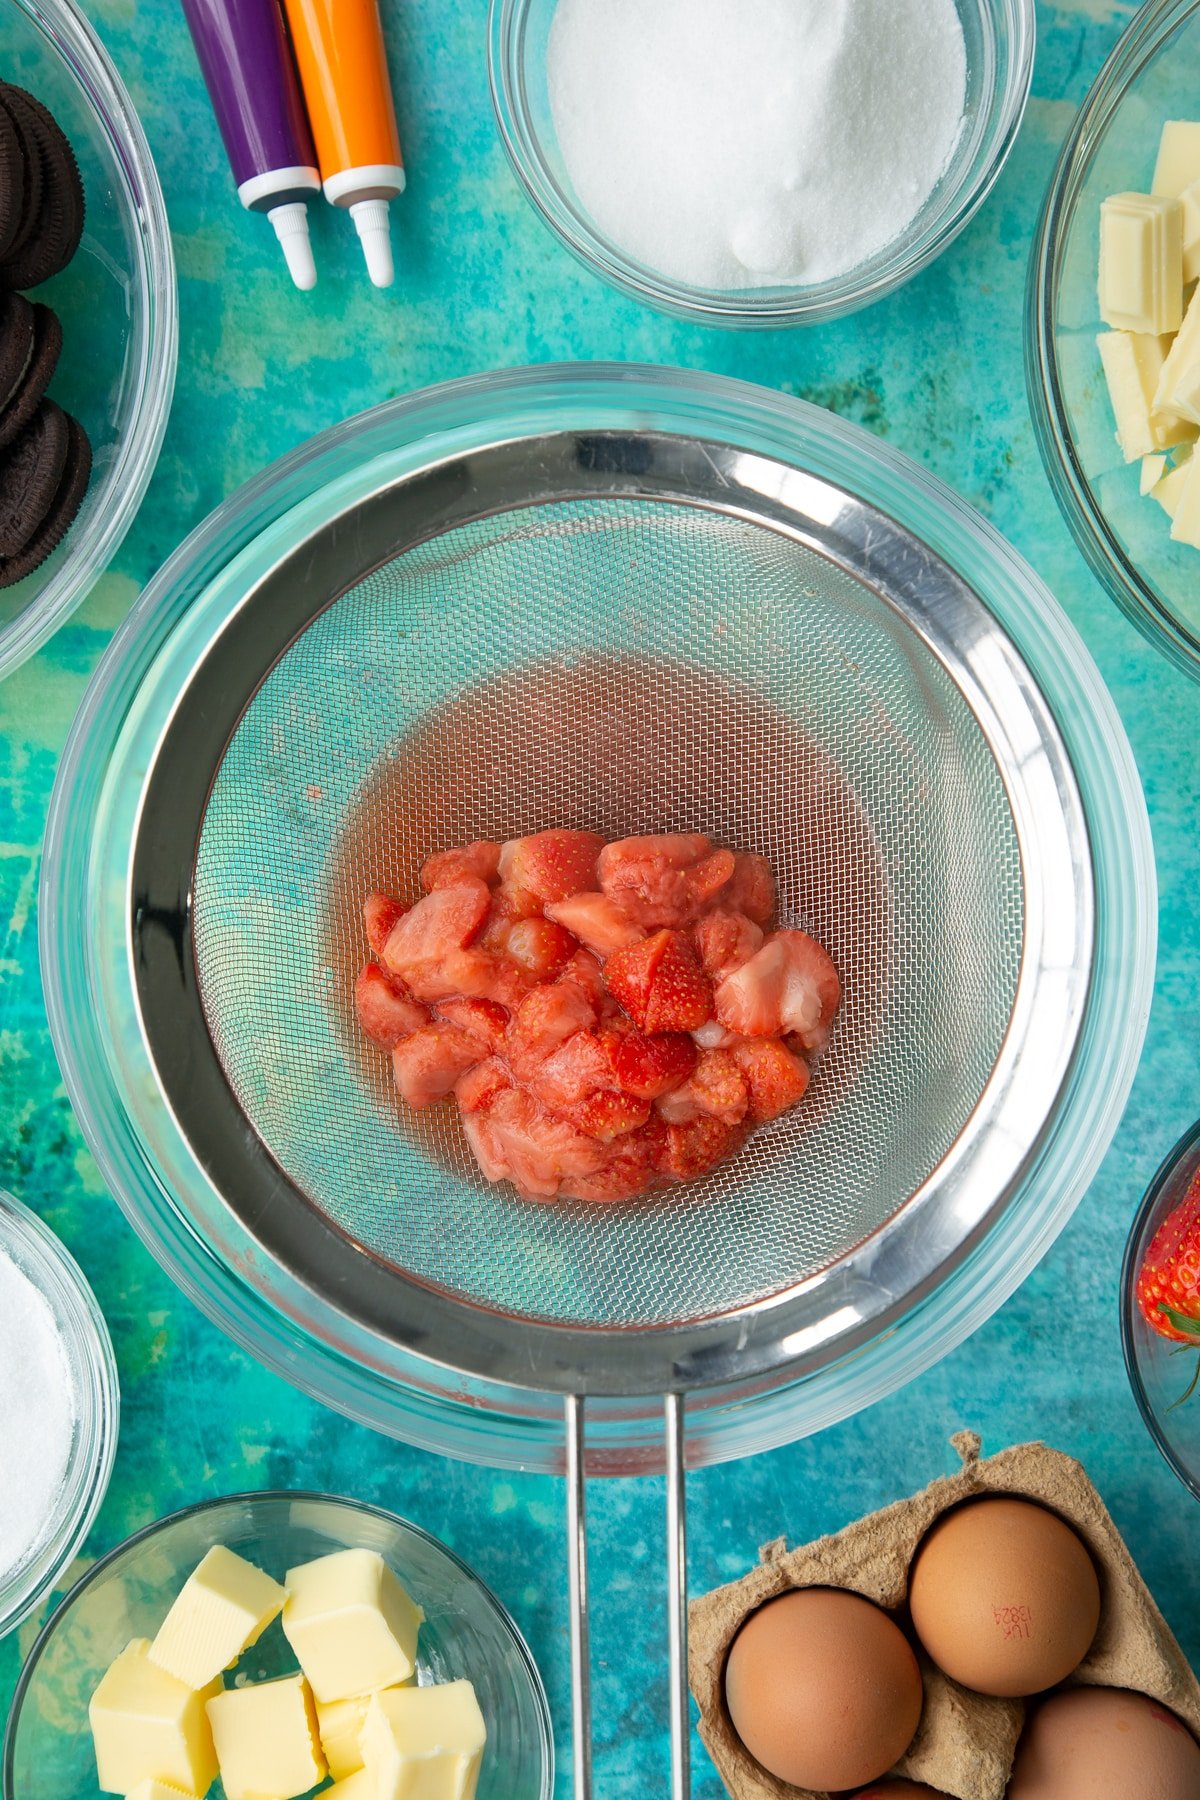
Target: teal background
[937, 370]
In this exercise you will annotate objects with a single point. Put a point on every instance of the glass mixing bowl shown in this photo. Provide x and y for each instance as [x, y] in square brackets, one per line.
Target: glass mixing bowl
[40, 1257]
[116, 300]
[1151, 76]
[147, 1161]
[1000, 37]
[1160, 1370]
[467, 1634]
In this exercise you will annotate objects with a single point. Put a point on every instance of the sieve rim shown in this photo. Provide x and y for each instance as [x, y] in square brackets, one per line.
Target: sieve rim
[830, 1311]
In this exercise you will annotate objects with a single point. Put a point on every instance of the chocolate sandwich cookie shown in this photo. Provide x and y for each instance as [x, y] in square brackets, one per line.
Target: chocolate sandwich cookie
[14, 103]
[30, 472]
[17, 334]
[54, 235]
[68, 498]
[12, 180]
[40, 365]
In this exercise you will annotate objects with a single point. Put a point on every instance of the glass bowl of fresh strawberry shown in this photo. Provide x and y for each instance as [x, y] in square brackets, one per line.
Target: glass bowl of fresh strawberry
[1160, 1309]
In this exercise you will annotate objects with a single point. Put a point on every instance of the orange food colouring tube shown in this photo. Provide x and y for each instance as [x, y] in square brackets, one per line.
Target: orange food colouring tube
[343, 70]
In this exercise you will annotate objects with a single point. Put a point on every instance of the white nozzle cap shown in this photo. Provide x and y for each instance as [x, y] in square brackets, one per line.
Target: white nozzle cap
[291, 228]
[371, 220]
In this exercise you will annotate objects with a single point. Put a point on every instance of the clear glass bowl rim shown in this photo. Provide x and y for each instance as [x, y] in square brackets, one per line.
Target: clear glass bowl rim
[98, 1425]
[442, 421]
[775, 307]
[64, 24]
[251, 1499]
[1142, 40]
[1187, 1147]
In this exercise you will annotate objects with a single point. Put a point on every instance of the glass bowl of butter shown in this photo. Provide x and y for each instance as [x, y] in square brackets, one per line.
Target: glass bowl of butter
[269, 1643]
[1117, 252]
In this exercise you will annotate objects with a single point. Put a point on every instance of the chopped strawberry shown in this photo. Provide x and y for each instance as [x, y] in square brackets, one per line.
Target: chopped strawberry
[608, 1115]
[483, 1019]
[448, 868]
[419, 943]
[790, 985]
[545, 1019]
[714, 1036]
[552, 864]
[650, 1066]
[386, 1010]
[481, 976]
[427, 1064]
[630, 1167]
[777, 1080]
[660, 983]
[661, 881]
[717, 1089]
[693, 1149]
[477, 1087]
[510, 903]
[725, 941]
[380, 915]
[585, 973]
[540, 947]
[517, 1140]
[752, 888]
[597, 921]
[576, 1070]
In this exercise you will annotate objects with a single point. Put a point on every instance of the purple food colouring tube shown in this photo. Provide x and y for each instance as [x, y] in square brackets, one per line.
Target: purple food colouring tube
[247, 66]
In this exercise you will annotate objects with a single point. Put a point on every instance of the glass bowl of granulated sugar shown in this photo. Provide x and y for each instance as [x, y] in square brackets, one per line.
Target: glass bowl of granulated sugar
[58, 1410]
[768, 165]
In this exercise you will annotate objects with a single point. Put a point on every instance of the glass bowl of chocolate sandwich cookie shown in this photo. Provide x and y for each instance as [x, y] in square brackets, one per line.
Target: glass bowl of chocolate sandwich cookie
[88, 332]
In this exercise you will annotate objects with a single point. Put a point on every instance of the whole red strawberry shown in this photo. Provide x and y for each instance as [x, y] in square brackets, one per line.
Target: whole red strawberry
[1168, 1284]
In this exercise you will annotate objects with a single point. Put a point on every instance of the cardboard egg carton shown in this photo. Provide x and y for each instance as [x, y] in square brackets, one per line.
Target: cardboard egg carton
[965, 1742]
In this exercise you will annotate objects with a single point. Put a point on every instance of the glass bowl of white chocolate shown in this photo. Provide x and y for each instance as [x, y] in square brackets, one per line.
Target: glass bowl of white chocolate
[271, 1644]
[1113, 347]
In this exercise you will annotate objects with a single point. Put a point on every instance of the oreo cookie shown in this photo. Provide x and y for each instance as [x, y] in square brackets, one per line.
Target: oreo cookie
[30, 472]
[40, 365]
[12, 180]
[52, 237]
[68, 498]
[14, 102]
[17, 333]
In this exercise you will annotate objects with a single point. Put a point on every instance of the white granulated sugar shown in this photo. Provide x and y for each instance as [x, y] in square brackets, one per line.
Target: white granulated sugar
[741, 143]
[37, 1416]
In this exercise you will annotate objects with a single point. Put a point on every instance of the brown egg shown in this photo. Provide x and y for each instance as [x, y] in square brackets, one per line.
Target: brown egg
[1004, 1597]
[823, 1688]
[1091, 1741]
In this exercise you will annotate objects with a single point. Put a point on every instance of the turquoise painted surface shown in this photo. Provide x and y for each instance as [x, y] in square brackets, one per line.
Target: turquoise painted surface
[937, 370]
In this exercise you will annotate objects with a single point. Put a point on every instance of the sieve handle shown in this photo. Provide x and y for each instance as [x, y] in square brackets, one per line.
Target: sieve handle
[581, 1679]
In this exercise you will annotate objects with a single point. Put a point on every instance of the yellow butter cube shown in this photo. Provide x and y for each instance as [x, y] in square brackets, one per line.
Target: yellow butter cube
[358, 1786]
[340, 1723]
[149, 1727]
[267, 1740]
[1141, 263]
[1133, 367]
[351, 1624]
[223, 1608]
[1178, 164]
[155, 1790]
[425, 1743]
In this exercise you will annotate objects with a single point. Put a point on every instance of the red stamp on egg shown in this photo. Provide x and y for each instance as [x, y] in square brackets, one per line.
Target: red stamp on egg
[1013, 1621]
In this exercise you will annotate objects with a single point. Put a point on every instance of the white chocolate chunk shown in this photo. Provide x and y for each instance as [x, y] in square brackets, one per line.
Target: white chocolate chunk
[148, 1727]
[266, 1739]
[1133, 366]
[1189, 200]
[1141, 263]
[155, 1790]
[351, 1624]
[223, 1608]
[1185, 522]
[1176, 389]
[1153, 470]
[1170, 488]
[425, 1743]
[1178, 164]
[359, 1786]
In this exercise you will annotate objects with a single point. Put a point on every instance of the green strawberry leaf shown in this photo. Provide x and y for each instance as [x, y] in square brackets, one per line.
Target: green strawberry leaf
[1181, 1321]
[1193, 1384]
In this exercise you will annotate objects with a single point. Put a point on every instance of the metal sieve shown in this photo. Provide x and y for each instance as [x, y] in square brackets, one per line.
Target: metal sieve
[629, 632]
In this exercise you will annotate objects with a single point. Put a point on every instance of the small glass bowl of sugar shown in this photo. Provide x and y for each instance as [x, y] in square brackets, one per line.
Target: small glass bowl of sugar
[59, 1410]
[759, 166]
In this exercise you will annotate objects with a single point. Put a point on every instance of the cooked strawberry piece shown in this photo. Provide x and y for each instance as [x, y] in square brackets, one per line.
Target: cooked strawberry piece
[597, 921]
[381, 914]
[661, 881]
[427, 1064]
[629, 975]
[717, 1089]
[540, 947]
[660, 983]
[630, 1167]
[386, 1010]
[545, 1019]
[585, 973]
[481, 976]
[751, 889]
[790, 985]
[483, 1019]
[477, 1087]
[480, 861]
[552, 864]
[726, 940]
[650, 1066]
[420, 943]
[517, 1140]
[577, 1069]
[777, 1080]
[510, 903]
[609, 1115]
[714, 1036]
[693, 1149]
